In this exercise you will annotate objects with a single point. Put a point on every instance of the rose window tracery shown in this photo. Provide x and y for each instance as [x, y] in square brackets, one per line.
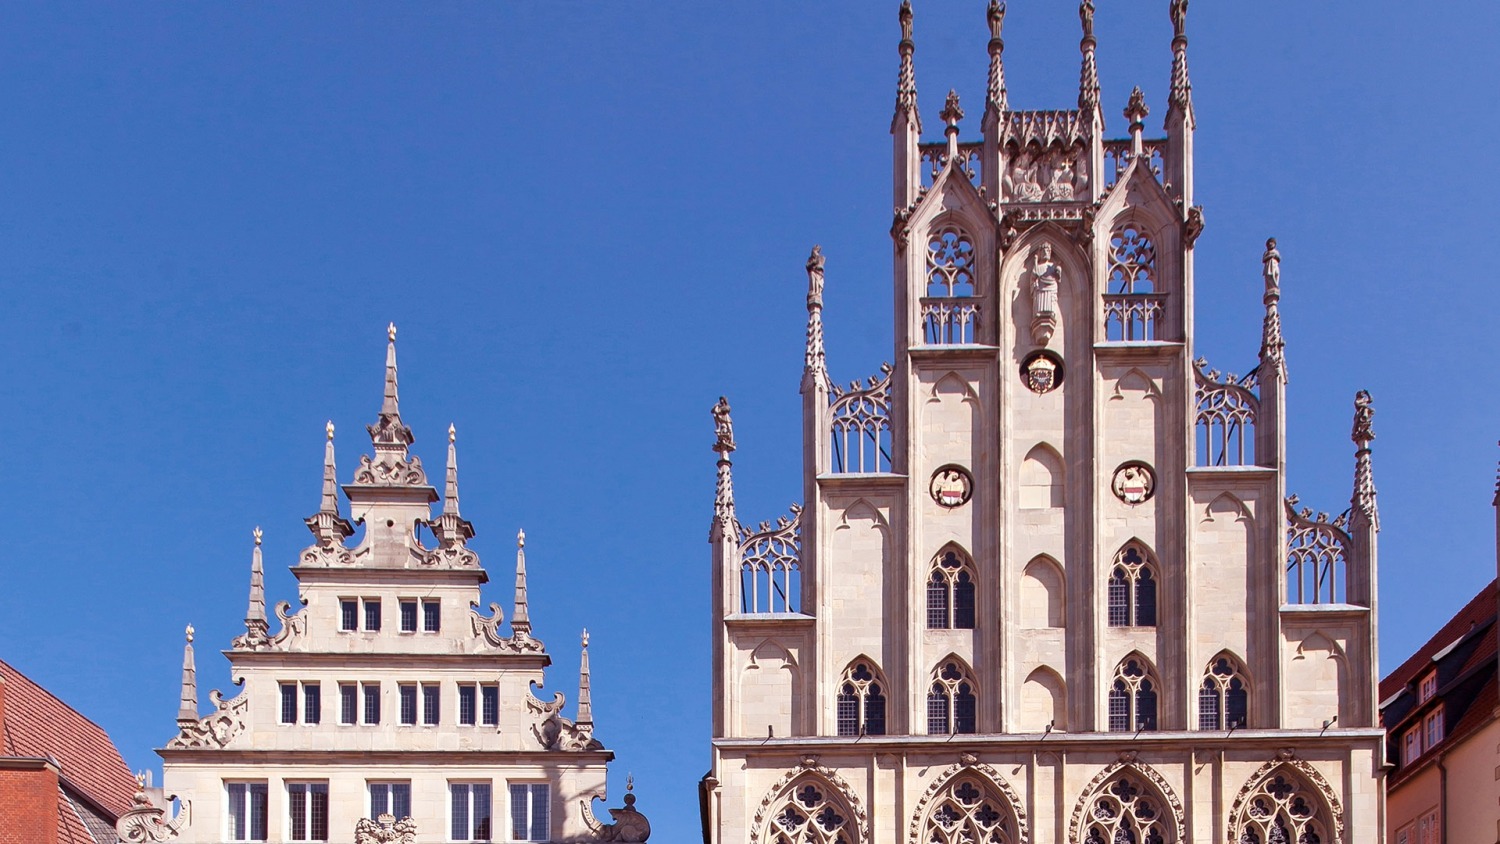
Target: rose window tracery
[812, 814]
[1132, 261]
[1127, 812]
[969, 812]
[950, 262]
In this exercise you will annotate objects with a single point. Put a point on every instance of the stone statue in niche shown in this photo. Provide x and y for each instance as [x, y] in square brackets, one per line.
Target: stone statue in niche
[1046, 275]
[1021, 183]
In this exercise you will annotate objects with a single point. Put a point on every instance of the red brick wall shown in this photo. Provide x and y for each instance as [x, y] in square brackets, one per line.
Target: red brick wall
[28, 804]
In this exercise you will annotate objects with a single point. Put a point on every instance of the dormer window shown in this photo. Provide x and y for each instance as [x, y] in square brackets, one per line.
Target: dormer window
[1427, 688]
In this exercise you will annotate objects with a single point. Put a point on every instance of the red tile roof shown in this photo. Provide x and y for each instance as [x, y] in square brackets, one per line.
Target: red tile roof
[1480, 610]
[37, 724]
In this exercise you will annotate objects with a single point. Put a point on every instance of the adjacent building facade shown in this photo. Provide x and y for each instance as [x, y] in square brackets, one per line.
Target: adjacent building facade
[1441, 711]
[388, 707]
[1047, 584]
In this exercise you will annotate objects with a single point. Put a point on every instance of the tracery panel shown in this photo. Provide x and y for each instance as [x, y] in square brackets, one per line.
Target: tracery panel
[812, 813]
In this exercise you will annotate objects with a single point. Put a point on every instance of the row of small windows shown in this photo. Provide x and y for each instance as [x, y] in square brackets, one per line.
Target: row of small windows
[950, 261]
[471, 810]
[952, 704]
[359, 703]
[350, 617]
[1131, 590]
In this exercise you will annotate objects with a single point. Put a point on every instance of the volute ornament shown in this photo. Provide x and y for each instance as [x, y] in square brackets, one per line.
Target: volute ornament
[144, 823]
[217, 729]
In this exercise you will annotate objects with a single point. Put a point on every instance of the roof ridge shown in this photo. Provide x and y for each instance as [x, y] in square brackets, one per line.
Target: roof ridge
[7, 667]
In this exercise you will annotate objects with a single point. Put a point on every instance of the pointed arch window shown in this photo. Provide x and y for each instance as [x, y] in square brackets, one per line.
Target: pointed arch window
[861, 700]
[1127, 811]
[1133, 308]
[1281, 809]
[812, 813]
[950, 262]
[1133, 697]
[952, 708]
[1132, 588]
[1224, 697]
[950, 592]
[969, 809]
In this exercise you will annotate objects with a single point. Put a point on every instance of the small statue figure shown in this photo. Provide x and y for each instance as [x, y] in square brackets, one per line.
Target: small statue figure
[1060, 188]
[1046, 276]
[1086, 14]
[723, 427]
[815, 263]
[1272, 272]
[1022, 180]
[1364, 419]
[996, 18]
[1179, 18]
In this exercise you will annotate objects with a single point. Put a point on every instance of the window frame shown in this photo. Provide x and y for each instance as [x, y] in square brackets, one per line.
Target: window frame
[248, 790]
[389, 787]
[290, 702]
[952, 591]
[349, 616]
[431, 701]
[348, 704]
[1131, 583]
[372, 615]
[369, 699]
[408, 613]
[472, 823]
[312, 704]
[468, 696]
[530, 790]
[310, 789]
[432, 615]
[489, 704]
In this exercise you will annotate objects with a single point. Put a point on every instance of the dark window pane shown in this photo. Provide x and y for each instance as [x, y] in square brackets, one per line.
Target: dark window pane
[430, 704]
[848, 711]
[432, 616]
[408, 616]
[1119, 599]
[937, 603]
[1119, 708]
[1145, 600]
[491, 695]
[963, 602]
[372, 703]
[1208, 707]
[297, 806]
[408, 704]
[401, 800]
[372, 615]
[312, 703]
[348, 615]
[875, 712]
[318, 811]
[965, 709]
[288, 703]
[466, 704]
[459, 811]
[260, 819]
[1145, 707]
[937, 711]
[1236, 705]
[348, 703]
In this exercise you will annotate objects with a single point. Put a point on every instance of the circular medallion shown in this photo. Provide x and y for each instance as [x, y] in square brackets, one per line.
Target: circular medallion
[1042, 372]
[1134, 482]
[951, 486]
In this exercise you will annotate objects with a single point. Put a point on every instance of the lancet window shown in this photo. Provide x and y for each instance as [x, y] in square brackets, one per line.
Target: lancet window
[1281, 810]
[1225, 417]
[1133, 697]
[770, 571]
[1317, 552]
[861, 700]
[812, 813]
[861, 427]
[951, 706]
[1132, 588]
[950, 592]
[950, 277]
[1133, 308]
[1127, 811]
[1224, 697]
[968, 809]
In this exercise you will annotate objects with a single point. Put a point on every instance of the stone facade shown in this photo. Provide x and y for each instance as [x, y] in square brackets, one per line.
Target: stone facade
[1047, 584]
[388, 707]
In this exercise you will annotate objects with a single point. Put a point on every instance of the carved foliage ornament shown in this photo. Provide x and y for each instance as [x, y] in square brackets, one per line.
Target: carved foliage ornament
[831, 799]
[970, 801]
[390, 470]
[951, 486]
[217, 729]
[1134, 483]
[385, 830]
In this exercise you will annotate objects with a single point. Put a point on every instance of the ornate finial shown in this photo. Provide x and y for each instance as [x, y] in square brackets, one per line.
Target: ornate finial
[1272, 346]
[815, 362]
[390, 436]
[1088, 79]
[390, 331]
[585, 637]
[257, 534]
[996, 100]
[329, 429]
[952, 113]
[1181, 95]
[1136, 110]
[187, 711]
[450, 527]
[723, 429]
[1364, 476]
[630, 782]
[906, 82]
[585, 701]
[255, 615]
[328, 525]
[450, 489]
[520, 618]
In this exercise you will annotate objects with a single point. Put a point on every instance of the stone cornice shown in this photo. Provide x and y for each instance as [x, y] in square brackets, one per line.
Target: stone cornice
[450, 759]
[385, 659]
[380, 574]
[1184, 742]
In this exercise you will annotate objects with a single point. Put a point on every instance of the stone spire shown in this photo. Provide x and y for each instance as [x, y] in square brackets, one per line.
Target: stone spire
[187, 712]
[520, 619]
[390, 436]
[1088, 79]
[452, 530]
[1364, 478]
[1272, 347]
[585, 702]
[255, 615]
[1180, 97]
[996, 100]
[328, 524]
[815, 362]
[724, 518]
[906, 84]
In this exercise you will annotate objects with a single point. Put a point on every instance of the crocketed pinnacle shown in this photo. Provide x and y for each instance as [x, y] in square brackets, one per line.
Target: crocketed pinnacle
[520, 619]
[585, 702]
[906, 82]
[450, 488]
[388, 433]
[452, 529]
[1136, 110]
[1180, 97]
[1364, 478]
[1088, 78]
[724, 518]
[996, 99]
[815, 362]
[255, 615]
[187, 712]
[1272, 347]
[328, 524]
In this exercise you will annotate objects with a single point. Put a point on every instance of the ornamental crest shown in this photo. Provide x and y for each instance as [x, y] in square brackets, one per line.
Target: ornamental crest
[385, 830]
[1134, 483]
[951, 486]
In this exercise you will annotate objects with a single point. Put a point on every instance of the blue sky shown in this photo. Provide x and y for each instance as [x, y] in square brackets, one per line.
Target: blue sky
[589, 220]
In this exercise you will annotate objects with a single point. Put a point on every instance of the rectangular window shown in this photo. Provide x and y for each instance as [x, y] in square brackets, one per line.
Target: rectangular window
[348, 614]
[490, 697]
[529, 806]
[247, 811]
[1119, 711]
[430, 703]
[466, 703]
[348, 704]
[288, 703]
[937, 714]
[307, 811]
[1428, 688]
[1412, 746]
[393, 797]
[408, 703]
[847, 713]
[965, 713]
[1434, 729]
[432, 616]
[372, 703]
[470, 813]
[1119, 601]
[408, 616]
[1407, 834]
[312, 703]
[372, 614]
[1429, 828]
